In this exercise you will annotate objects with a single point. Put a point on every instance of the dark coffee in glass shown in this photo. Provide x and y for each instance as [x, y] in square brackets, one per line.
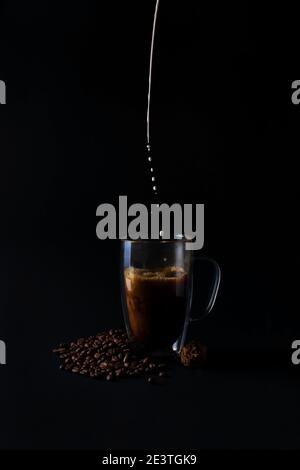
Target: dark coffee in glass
[156, 302]
[157, 290]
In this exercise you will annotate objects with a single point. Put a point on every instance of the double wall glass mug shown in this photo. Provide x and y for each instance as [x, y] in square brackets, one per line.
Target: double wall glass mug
[157, 283]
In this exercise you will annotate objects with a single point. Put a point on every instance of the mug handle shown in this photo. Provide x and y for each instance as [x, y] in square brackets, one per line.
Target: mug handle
[177, 346]
[213, 290]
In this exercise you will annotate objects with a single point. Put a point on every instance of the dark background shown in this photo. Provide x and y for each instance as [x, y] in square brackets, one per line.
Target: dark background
[73, 134]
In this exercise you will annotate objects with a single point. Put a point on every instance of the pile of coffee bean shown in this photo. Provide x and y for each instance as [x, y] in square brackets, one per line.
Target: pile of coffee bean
[108, 355]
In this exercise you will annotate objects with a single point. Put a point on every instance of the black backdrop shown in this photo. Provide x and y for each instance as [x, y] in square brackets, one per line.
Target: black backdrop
[73, 135]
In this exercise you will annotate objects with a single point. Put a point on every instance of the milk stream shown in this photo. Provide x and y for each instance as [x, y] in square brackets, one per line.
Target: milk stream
[149, 155]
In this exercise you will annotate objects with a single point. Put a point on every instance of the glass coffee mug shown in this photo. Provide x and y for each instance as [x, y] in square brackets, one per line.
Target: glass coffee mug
[157, 292]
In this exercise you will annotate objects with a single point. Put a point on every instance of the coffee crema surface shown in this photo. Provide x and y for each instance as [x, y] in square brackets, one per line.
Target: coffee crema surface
[156, 303]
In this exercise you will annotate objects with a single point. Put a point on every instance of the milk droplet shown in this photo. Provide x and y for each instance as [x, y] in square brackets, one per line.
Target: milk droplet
[149, 91]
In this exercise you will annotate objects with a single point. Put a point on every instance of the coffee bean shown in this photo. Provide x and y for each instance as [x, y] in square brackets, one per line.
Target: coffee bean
[107, 354]
[125, 358]
[59, 350]
[63, 356]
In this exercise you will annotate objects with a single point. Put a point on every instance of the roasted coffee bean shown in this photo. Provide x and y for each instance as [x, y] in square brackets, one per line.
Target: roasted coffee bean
[62, 356]
[59, 350]
[108, 355]
[126, 358]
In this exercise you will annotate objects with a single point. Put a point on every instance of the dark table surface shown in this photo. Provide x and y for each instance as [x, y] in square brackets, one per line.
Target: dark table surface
[246, 397]
[47, 409]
